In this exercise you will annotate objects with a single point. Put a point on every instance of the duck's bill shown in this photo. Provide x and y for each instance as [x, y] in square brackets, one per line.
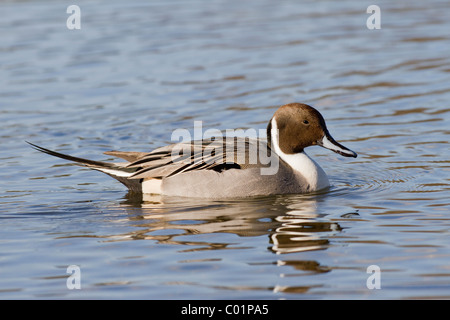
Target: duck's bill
[331, 144]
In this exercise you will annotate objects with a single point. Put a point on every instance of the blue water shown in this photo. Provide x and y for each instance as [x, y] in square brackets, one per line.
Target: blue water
[138, 70]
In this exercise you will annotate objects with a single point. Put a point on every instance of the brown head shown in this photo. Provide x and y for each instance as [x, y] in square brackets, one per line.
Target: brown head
[299, 126]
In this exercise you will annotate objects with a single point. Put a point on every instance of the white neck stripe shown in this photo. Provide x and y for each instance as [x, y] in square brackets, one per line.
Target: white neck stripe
[300, 163]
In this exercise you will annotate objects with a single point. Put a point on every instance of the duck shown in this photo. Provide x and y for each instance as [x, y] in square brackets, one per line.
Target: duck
[230, 168]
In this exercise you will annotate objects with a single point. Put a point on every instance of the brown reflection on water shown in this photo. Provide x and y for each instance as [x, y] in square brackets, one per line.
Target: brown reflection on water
[291, 224]
[283, 224]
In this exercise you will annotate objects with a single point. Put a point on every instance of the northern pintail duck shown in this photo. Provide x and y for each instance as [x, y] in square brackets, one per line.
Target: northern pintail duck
[219, 169]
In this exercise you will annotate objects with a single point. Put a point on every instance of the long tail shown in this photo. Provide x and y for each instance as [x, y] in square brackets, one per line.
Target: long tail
[118, 171]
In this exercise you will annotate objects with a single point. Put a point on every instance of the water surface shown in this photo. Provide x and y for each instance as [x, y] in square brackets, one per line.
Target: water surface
[138, 70]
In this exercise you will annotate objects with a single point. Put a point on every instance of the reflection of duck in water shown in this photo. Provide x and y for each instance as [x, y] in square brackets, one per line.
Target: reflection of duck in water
[291, 222]
[300, 230]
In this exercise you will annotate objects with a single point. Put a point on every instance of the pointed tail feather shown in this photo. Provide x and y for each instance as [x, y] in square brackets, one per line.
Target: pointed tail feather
[86, 162]
[116, 170]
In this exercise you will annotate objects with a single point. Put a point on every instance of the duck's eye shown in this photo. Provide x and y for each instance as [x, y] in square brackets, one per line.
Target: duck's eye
[305, 121]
